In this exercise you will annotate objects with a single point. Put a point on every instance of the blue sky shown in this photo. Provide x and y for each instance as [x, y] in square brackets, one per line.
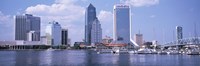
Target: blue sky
[156, 19]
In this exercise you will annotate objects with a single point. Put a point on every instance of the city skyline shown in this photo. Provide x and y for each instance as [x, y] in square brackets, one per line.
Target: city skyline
[156, 20]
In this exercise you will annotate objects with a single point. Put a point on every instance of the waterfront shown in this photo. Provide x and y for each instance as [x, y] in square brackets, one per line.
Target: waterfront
[91, 58]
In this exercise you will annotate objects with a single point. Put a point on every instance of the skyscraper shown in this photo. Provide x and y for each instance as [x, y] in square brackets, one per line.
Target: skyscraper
[53, 33]
[179, 33]
[96, 32]
[90, 16]
[64, 37]
[24, 24]
[138, 38]
[121, 23]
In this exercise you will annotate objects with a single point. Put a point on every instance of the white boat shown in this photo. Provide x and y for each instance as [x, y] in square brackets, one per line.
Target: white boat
[173, 52]
[132, 52]
[144, 51]
[162, 52]
[193, 53]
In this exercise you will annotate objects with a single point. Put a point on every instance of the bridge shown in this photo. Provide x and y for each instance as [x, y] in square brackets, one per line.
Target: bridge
[183, 42]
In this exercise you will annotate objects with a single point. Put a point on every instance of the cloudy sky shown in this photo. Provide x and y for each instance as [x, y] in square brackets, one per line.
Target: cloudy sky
[156, 19]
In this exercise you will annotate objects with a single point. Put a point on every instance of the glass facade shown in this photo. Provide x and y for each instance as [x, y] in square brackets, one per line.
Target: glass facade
[90, 16]
[24, 24]
[179, 32]
[64, 37]
[53, 33]
[122, 23]
[96, 32]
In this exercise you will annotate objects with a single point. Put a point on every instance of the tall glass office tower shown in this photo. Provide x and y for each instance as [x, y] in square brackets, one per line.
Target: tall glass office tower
[179, 33]
[26, 23]
[90, 16]
[53, 33]
[122, 24]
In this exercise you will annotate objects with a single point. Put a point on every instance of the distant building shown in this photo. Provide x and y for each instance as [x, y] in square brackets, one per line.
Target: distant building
[43, 40]
[24, 24]
[53, 33]
[122, 24]
[33, 36]
[64, 37]
[69, 42]
[96, 32]
[138, 38]
[90, 16]
[148, 44]
[21, 42]
[179, 32]
[155, 43]
[107, 40]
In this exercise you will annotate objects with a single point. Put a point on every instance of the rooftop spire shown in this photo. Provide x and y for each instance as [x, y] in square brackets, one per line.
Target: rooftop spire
[90, 5]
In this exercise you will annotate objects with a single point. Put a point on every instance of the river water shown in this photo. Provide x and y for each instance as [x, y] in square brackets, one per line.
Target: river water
[91, 58]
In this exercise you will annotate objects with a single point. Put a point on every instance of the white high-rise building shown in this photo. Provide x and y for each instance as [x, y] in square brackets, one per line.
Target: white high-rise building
[96, 32]
[53, 33]
[122, 24]
[33, 36]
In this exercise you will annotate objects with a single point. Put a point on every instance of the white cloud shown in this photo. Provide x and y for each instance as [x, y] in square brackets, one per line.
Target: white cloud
[106, 19]
[6, 27]
[105, 16]
[139, 3]
[66, 12]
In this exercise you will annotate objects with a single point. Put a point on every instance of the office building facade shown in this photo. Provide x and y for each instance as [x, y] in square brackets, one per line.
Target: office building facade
[90, 16]
[64, 37]
[24, 24]
[138, 38]
[179, 32]
[96, 32]
[53, 33]
[122, 22]
[33, 36]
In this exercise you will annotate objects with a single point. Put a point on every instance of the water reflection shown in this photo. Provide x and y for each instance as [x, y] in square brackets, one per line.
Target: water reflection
[6, 58]
[124, 60]
[75, 58]
[45, 58]
[26, 58]
[91, 58]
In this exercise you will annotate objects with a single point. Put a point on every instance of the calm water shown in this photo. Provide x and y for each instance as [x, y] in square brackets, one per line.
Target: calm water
[91, 58]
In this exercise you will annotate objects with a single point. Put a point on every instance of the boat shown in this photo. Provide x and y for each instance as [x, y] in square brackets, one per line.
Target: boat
[132, 52]
[104, 51]
[162, 52]
[173, 52]
[144, 51]
[193, 53]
